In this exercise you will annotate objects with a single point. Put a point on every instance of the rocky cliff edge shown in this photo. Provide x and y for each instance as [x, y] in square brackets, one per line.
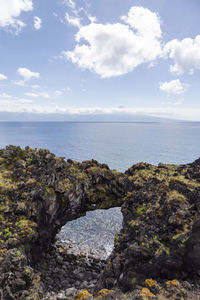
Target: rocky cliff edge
[157, 252]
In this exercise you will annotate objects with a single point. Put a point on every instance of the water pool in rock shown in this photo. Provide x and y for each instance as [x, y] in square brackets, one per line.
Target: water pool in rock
[93, 234]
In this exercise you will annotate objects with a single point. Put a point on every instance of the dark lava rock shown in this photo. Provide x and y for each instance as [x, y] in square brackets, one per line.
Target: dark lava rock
[39, 193]
[160, 238]
[155, 253]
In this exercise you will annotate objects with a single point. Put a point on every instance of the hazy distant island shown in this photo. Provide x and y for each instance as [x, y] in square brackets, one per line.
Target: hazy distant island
[156, 254]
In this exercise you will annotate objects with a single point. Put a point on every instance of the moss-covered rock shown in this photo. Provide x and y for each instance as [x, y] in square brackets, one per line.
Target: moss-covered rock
[160, 239]
[39, 193]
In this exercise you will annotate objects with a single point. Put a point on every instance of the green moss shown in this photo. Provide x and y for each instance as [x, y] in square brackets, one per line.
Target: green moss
[175, 237]
[141, 210]
[49, 191]
[29, 162]
[167, 250]
[115, 172]
[116, 237]
[102, 189]
[7, 231]
[176, 195]
[134, 280]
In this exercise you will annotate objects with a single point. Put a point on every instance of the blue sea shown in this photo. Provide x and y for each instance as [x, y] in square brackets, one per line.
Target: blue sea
[120, 145]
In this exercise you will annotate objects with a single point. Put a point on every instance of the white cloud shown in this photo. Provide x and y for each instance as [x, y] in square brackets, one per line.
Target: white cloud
[19, 82]
[10, 11]
[37, 23]
[74, 21]
[144, 21]
[70, 3]
[24, 101]
[3, 77]
[58, 93]
[185, 54]
[38, 95]
[27, 106]
[35, 86]
[27, 74]
[32, 95]
[67, 89]
[92, 19]
[174, 87]
[176, 103]
[116, 49]
[5, 95]
[9, 103]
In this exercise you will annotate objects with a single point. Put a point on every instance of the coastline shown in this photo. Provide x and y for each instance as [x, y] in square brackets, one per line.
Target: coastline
[154, 254]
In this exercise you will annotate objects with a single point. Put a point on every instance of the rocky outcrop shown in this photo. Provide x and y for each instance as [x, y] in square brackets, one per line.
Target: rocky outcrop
[160, 235]
[159, 241]
[39, 193]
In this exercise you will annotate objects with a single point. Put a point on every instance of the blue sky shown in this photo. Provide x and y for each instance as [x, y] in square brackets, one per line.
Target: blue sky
[100, 57]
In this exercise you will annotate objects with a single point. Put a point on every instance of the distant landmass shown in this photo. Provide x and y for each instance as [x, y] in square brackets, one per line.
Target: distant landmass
[25, 117]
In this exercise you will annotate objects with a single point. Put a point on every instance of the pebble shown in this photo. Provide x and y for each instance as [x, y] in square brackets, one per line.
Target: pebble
[64, 275]
[61, 296]
[70, 292]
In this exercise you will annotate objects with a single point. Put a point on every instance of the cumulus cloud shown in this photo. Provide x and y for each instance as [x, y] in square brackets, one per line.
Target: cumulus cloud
[116, 49]
[144, 21]
[74, 21]
[10, 11]
[3, 77]
[27, 74]
[37, 23]
[174, 87]
[185, 54]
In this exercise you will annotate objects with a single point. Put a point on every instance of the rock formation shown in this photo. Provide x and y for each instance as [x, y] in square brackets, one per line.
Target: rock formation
[159, 241]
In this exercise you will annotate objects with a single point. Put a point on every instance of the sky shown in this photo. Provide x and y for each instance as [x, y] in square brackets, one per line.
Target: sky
[110, 57]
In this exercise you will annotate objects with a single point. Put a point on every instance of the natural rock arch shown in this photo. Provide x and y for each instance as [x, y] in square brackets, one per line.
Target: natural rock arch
[39, 193]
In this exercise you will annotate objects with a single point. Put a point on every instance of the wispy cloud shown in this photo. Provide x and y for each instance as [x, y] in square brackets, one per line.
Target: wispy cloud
[58, 93]
[70, 3]
[74, 21]
[37, 23]
[27, 75]
[19, 105]
[38, 95]
[3, 77]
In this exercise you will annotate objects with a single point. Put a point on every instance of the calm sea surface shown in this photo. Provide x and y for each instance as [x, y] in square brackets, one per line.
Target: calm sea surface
[119, 145]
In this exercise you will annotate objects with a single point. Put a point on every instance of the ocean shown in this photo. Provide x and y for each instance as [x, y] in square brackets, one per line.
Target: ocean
[120, 145]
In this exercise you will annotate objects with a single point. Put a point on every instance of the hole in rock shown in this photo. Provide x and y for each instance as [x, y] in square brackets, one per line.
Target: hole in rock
[63, 270]
[93, 234]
